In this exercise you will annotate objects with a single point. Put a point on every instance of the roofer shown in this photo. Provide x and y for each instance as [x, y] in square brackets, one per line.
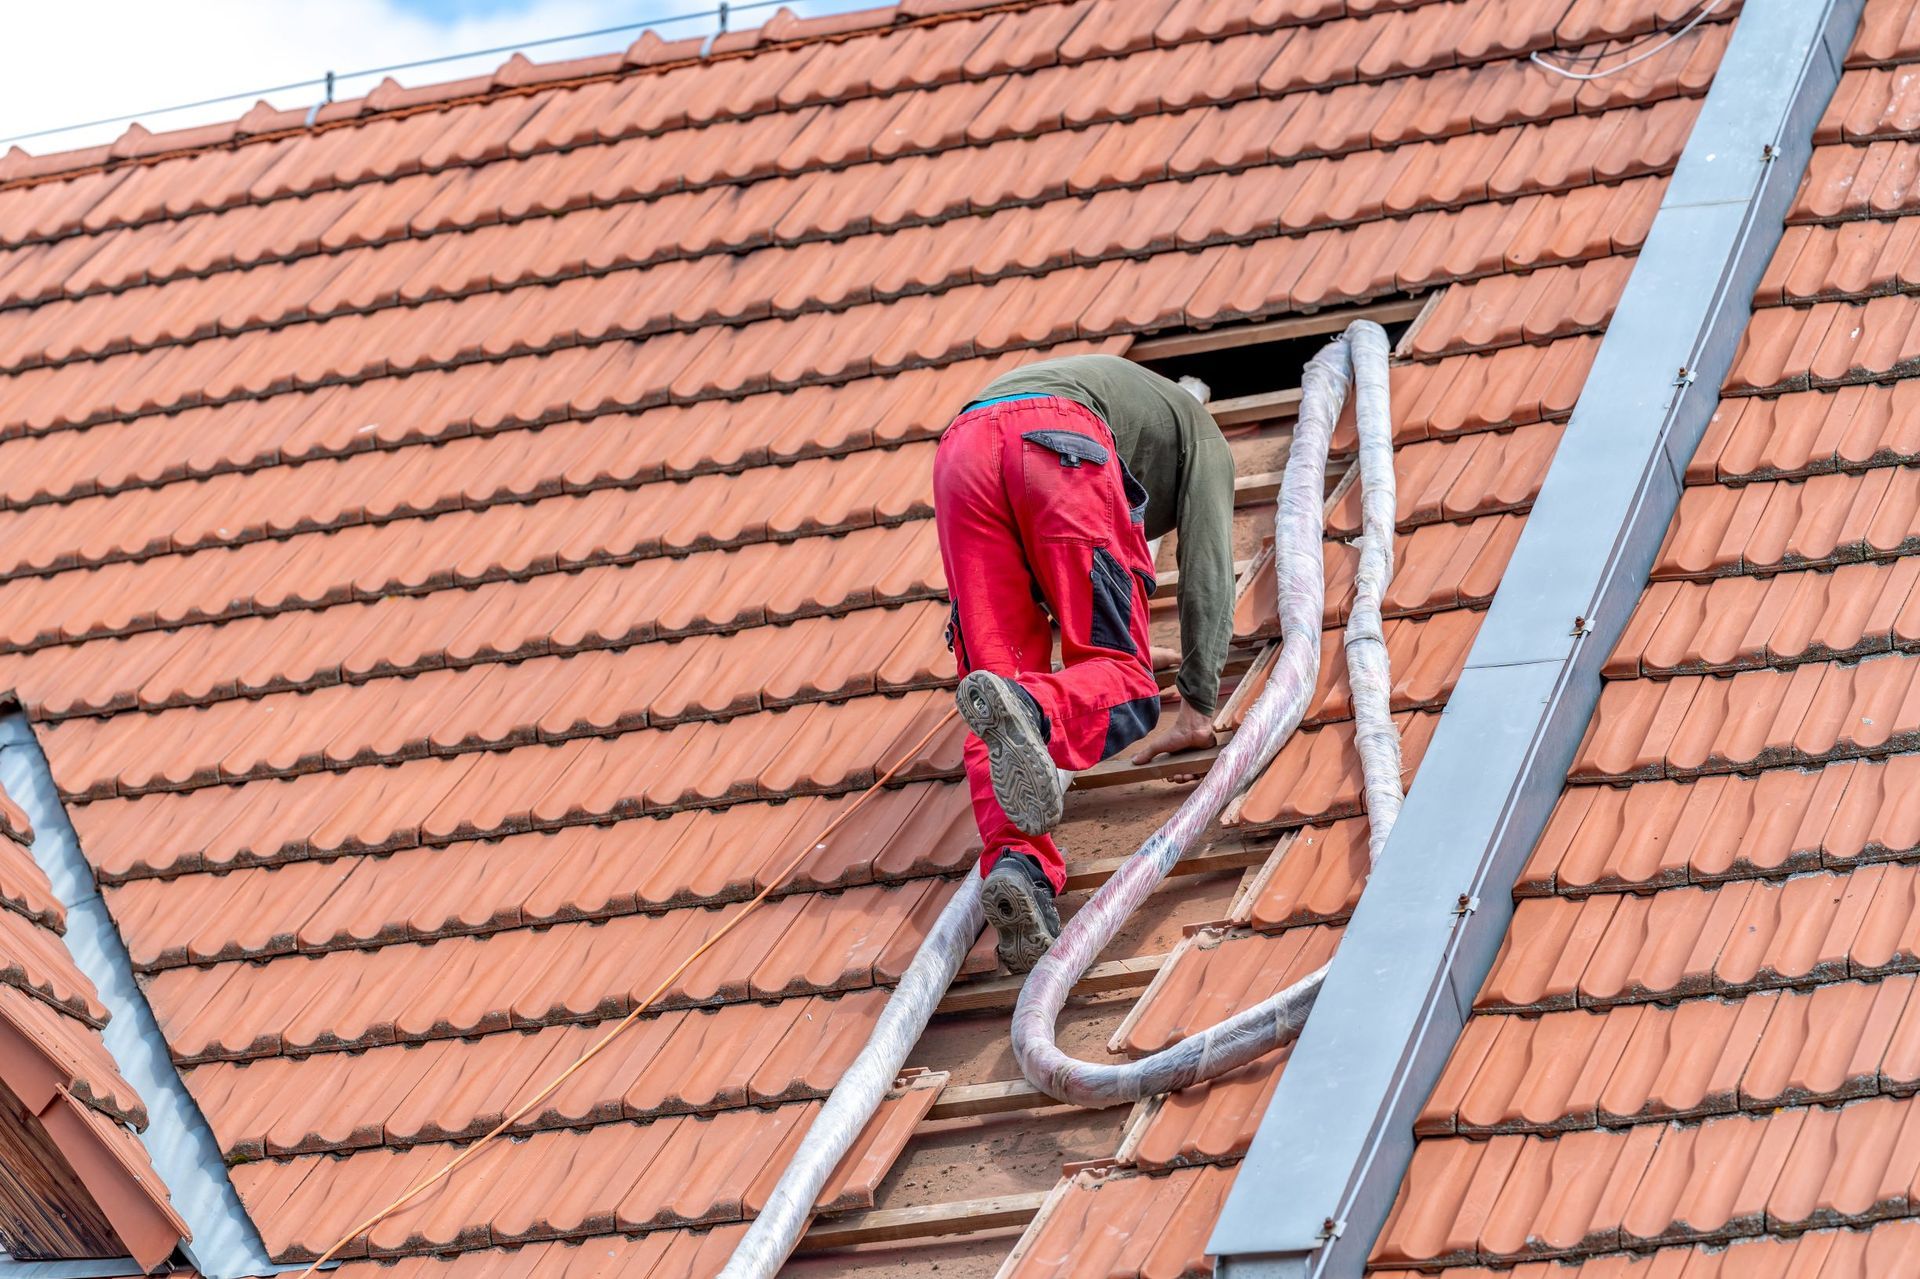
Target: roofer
[1046, 490]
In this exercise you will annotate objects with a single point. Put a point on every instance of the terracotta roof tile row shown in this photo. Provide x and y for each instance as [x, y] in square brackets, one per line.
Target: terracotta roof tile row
[1848, 182]
[503, 621]
[1316, 879]
[594, 693]
[486, 398]
[768, 135]
[593, 468]
[598, 316]
[402, 619]
[1850, 260]
[1504, 310]
[1316, 776]
[1645, 1063]
[676, 1171]
[1826, 344]
[1515, 386]
[34, 959]
[24, 887]
[1441, 567]
[583, 466]
[1807, 433]
[1216, 976]
[819, 748]
[1460, 477]
[1695, 724]
[1869, 103]
[1888, 33]
[604, 450]
[808, 943]
[1125, 1225]
[312, 270]
[1776, 823]
[545, 699]
[1740, 623]
[1884, 1250]
[1425, 656]
[658, 1254]
[787, 211]
[1515, 1198]
[698, 857]
[467, 477]
[1769, 525]
[1744, 935]
[691, 1061]
[719, 589]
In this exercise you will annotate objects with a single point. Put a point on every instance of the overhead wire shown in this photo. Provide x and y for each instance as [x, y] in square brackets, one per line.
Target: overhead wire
[666, 983]
[1673, 37]
[722, 12]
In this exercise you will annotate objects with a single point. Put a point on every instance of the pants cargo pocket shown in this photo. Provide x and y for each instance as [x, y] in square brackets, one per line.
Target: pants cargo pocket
[1112, 604]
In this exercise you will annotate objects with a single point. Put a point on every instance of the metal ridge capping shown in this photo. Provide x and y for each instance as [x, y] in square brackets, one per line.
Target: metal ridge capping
[225, 1244]
[1334, 1144]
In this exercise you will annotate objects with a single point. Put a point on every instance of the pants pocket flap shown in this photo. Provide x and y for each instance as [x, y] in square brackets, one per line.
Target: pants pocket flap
[1072, 447]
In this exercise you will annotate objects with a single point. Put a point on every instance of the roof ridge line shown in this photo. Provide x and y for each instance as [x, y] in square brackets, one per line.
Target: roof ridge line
[939, 13]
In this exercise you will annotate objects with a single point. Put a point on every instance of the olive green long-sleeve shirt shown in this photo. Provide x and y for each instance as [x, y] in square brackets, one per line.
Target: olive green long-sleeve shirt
[1174, 448]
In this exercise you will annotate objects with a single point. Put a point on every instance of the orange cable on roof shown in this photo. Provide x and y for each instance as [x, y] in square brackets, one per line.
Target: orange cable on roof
[620, 1027]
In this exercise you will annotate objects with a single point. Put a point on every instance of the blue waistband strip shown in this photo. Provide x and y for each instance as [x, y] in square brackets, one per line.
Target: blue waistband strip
[1002, 399]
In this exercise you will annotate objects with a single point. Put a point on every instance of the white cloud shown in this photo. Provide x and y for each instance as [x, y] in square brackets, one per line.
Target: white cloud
[78, 60]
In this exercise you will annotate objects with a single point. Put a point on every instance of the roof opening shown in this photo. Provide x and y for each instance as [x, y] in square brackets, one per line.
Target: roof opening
[1249, 360]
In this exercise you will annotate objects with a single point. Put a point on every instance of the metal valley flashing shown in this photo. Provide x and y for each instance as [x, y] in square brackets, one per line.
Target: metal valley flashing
[1336, 1138]
[225, 1244]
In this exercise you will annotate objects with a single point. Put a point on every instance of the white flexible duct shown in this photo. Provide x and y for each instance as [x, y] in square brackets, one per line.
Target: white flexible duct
[777, 1228]
[1298, 531]
[1362, 352]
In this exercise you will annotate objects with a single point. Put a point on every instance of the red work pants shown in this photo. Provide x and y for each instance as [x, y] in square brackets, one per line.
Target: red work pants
[1036, 515]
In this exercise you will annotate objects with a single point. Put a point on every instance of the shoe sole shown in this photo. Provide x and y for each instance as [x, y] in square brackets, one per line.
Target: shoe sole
[1022, 935]
[1024, 779]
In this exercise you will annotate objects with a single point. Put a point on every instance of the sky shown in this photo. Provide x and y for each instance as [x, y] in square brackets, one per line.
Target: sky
[161, 53]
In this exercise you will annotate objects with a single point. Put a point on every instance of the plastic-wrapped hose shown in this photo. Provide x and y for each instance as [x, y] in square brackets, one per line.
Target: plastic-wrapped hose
[764, 1248]
[1361, 352]
[774, 1232]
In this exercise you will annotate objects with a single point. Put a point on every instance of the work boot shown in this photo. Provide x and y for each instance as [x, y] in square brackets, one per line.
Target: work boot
[1019, 904]
[1008, 720]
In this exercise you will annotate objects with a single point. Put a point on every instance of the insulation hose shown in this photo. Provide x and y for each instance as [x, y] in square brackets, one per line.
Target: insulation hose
[866, 1082]
[1360, 354]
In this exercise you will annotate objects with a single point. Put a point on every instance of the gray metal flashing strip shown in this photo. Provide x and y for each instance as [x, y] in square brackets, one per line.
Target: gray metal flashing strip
[104, 1268]
[1331, 1151]
[225, 1244]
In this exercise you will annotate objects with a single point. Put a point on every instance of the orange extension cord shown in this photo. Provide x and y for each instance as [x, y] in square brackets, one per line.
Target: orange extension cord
[620, 1027]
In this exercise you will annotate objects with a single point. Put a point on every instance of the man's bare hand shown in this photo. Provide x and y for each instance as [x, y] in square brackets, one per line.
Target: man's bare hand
[1164, 658]
[1188, 730]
